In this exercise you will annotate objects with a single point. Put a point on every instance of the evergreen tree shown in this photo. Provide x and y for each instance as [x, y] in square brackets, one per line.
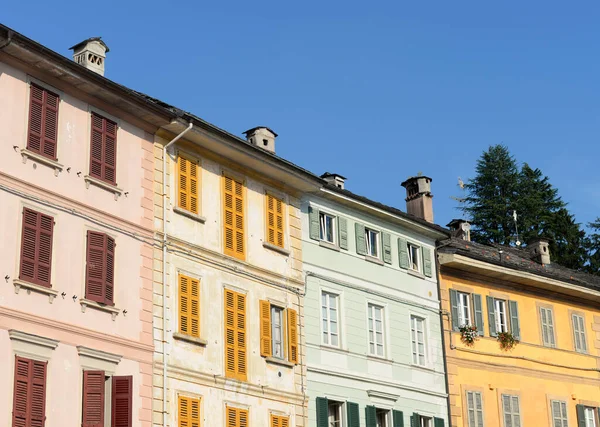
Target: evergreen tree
[593, 246]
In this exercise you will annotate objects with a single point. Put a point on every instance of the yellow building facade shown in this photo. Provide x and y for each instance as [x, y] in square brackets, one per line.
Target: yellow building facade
[551, 377]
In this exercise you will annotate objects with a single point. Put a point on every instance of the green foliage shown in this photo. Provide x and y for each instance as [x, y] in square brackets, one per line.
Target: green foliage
[593, 248]
[507, 340]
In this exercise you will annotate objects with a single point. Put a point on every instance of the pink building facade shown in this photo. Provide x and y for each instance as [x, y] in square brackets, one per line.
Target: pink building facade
[76, 227]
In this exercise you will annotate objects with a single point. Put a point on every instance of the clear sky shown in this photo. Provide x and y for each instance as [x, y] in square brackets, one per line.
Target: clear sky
[375, 91]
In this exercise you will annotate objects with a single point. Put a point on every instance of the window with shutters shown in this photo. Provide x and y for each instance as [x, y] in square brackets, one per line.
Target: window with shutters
[107, 400]
[235, 335]
[29, 393]
[103, 149]
[417, 332]
[511, 412]
[189, 306]
[376, 330]
[279, 421]
[330, 318]
[547, 325]
[275, 220]
[579, 338]
[414, 257]
[36, 247]
[188, 412]
[43, 122]
[425, 421]
[327, 231]
[501, 315]
[277, 331]
[188, 184]
[474, 409]
[559, 413]
[236, 417]
[372, 242]
[233, 211]
[277, 325]
[464, 309]
[588, 416]
[100, 268]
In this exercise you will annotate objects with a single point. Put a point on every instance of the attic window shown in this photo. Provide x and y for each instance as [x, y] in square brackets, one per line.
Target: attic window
[265, 142]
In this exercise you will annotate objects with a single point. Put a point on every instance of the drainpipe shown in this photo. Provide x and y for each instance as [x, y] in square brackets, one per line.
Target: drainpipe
[164, 267]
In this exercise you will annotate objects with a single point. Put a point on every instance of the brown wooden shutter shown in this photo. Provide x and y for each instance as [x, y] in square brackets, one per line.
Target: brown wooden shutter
[93, 399]
[36, 247]
[265, 328]
[21, 406]
[43, 122]
[122, 401]
[110, 271]
[233, 210]
[29, 400]
[100, 268]
[292, 324]
[103, 149]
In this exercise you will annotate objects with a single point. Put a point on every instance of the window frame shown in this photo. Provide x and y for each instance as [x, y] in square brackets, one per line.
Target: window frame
[461, 308]
[371, 311]
[387, 416]
[368, 244]
[282, 328]
[340, 412]
[414, 318]
[500, 326]
[595, 416]
[409, 247]
[474, 391]
[338, 318]
[334, 230]
[511, 395]
[564, 420]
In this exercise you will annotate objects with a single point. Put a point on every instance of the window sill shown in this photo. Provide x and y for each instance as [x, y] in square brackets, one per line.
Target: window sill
[276, 248]
[374, 260]
[93, 304]
[26, 154]
[379, 359]
[280, 362]
[189, 214]
[36, 288]
[416, 273]
[332, 348]
[424, 368]
[187, 338]
[329, 245]
[104, 185]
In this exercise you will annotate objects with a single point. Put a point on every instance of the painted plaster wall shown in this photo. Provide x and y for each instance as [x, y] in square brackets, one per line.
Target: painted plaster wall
[532, 371]
[348, 373]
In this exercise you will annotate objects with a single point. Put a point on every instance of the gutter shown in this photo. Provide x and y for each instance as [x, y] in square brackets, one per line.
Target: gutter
[164, 267]
[9, 40]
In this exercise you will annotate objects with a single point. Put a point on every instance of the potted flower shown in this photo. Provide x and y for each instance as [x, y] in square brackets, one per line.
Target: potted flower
[507, 340]
[468, 334]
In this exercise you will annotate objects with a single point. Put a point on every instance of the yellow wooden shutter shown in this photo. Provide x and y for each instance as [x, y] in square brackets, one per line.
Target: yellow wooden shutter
[188, 185]
[274, 221]
[292, 324]
[243, 416]
[230, 346]
[189, 306]
[241, 367]
[235, 335]
[236, 417]
[188, 412]
[265, 328]
[233, 209]
[279, 421]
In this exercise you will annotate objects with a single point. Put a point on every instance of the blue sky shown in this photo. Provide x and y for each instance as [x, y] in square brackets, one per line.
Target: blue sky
[375, 91]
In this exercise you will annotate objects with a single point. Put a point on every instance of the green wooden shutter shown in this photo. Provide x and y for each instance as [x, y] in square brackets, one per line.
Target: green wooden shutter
[353, 414]
[387, 247]
[414, 420]
[313, 223]
[343, 232]
[402, 253]
[438, 422]
[426, 256]
[491, 316]
[322, 412]
[454, 309]
[361, 246]
[370, 416]
[478, 314]
[580, 416]
[398, 418]
[514, 319]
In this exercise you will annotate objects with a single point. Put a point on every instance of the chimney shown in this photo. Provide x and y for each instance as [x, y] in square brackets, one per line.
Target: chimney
[539, 249]
[334, 179]
[262, 137]
[418, 197]
[91, 53]
[460, 228]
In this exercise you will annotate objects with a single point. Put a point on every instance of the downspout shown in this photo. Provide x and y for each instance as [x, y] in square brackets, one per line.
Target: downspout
[164, 268]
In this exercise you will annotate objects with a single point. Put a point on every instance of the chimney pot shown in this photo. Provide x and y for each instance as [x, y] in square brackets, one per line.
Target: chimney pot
[334, 179]
[262, 137]
[460, 228]
[539, 249]
[91, 53]
[418, 197]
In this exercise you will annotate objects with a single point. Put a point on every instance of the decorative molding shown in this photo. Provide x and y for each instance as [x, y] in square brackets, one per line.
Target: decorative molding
[99, 183]
[18, 283]
[280, 362]
[276, 248]
[97, 354]
[186, 213]
[32, 339]
[93, 304]
[35, 157]
[187, 338]
[382, 395]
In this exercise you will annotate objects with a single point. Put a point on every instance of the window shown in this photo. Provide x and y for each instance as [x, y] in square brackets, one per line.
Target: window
[559, 413]
[275, 221]
[464, 309]
[372, 242]
[36, 248]
[510, 411]
[118, 394]
[579, 333]
[188, 412]
[188, 176]
[547, 322]
[233, 201]
[43, 122]
[236, 417]
[589, 416]
[29, 400]
[382, 417]
[417, 331]
[235, 335]
[334, 414]
[425, 421]
[501, 315]
[103, 151]
[279, 421]
[99, 284]
[189, 306]
[414, 262]
[273, 321]
[329, 316]
[475, 409]
[376, 330]
[327, 231]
